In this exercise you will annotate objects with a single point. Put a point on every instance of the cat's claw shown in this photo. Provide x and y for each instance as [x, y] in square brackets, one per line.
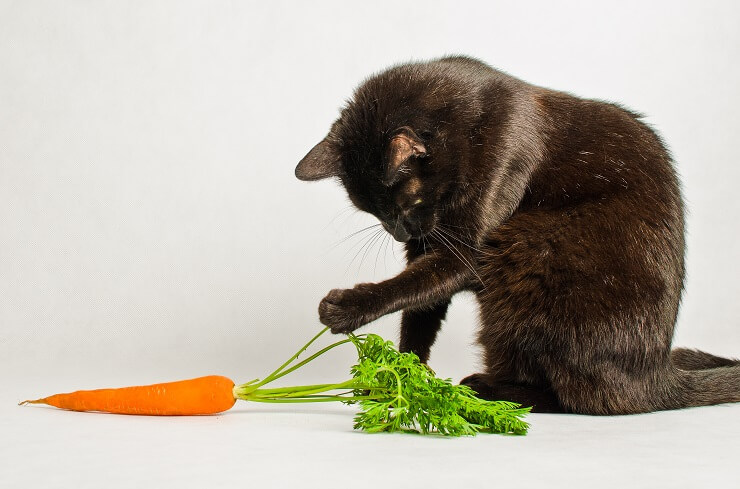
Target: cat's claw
[345, 310]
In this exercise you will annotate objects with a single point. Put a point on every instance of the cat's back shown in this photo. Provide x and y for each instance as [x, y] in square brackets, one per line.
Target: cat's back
[605, 147]
[451, 79]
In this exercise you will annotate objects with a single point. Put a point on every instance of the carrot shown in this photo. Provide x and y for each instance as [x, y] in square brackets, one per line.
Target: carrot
[203, 395]
[394, 390]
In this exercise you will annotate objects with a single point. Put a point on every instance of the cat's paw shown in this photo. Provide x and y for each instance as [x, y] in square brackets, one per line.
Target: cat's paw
[479, 384]
[345, 310]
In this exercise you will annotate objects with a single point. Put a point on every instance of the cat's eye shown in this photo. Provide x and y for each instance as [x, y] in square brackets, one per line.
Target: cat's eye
[417, 202]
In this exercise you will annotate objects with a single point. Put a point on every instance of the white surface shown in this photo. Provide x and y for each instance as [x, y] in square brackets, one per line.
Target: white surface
[314, 446]
[152, 228]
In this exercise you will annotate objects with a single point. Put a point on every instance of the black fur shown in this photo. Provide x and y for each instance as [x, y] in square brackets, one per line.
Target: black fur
[563, 215]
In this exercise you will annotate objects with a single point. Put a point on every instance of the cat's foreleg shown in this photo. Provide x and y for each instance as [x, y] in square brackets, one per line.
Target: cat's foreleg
[429, 280]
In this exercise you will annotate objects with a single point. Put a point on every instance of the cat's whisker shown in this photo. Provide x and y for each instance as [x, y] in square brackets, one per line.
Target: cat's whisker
[339, 214]
[448, 225]
[359, 245]
[482, 252]
[450, 234]
[427, 243]
[375, 238]
[457, 254]
[445, 227]
[382, 249]
[352, 235]
[367, 241]
[377, 254]
[389, 242]
[393, 249]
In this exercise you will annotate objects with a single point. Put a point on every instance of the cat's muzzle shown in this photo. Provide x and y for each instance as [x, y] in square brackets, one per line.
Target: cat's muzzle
[397, 230]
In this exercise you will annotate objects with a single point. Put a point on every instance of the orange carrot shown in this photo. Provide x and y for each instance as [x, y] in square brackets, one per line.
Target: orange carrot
[395, 391]
[203, 395]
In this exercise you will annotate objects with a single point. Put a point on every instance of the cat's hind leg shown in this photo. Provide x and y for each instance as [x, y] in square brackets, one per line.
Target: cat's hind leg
[541, 400]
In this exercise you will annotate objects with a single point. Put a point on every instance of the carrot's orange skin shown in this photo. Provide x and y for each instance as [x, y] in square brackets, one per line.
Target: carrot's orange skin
[203, 395]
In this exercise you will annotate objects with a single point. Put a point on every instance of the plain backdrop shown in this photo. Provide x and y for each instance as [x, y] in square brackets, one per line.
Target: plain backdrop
[151, 227]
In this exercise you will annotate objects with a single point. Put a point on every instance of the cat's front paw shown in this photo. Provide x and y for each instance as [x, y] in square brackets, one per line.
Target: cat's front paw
[345, 310]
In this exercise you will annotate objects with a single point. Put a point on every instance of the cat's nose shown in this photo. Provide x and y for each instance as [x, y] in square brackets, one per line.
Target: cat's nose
[411, 224]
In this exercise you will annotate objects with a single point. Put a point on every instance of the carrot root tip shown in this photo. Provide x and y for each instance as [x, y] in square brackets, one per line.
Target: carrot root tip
[30, 401]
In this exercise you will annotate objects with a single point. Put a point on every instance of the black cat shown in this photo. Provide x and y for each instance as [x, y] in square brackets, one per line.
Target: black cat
[563, 215]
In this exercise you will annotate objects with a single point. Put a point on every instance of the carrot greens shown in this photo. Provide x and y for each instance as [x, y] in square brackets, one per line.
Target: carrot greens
[395, 392]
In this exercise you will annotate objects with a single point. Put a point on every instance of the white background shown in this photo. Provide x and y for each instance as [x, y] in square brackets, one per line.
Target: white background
[151, 227]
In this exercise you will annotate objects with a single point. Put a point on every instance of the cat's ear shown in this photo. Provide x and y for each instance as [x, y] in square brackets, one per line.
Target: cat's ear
[403, 145]
[323, 161]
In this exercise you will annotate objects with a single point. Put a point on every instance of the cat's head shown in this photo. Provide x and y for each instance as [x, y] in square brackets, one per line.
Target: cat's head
[397, 146]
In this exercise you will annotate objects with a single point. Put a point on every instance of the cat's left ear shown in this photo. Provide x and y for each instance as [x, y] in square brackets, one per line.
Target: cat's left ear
[323, 161]
[403, 145]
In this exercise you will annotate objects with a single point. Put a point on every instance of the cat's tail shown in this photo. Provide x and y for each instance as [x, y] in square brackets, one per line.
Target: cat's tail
[701, 379]
[687, 359]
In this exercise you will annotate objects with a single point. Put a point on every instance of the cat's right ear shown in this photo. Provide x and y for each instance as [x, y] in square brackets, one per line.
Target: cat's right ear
[323, 161]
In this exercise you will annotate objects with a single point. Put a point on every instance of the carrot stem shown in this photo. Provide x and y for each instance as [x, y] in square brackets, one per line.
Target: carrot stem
[253, 390]
[295, 391]
[297, 354]
[281, 373]
[328, 398]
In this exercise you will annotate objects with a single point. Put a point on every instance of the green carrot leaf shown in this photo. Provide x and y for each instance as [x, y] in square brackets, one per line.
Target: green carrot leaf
[395, 392]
